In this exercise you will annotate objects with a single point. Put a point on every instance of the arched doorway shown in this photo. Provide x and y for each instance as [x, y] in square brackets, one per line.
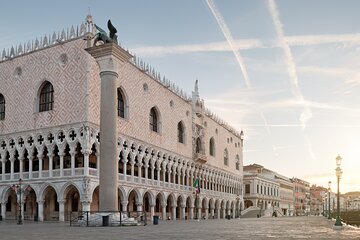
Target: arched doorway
[11, 205]
[30, 206]
[72, 200]
[146, 205]
[51, 205]
[94, 206]
[169, 206]
[158, 205]
[132, 200]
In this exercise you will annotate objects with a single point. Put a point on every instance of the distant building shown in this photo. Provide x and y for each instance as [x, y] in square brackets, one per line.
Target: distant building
[267, 190]
[317, 194]
[301, 196]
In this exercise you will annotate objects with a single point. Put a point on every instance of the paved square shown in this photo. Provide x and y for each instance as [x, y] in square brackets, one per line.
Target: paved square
[264, 228]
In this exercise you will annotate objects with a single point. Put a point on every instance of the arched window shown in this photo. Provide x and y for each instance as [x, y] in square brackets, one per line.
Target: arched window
[198, 145]
[154, 120]
[121, 103]
[46, 97]
[181, 132]
[237, 162]
[2, 107]
[226, 157]
[212, 147]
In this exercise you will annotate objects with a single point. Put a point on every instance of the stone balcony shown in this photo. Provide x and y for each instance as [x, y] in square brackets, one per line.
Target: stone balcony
[200, 158]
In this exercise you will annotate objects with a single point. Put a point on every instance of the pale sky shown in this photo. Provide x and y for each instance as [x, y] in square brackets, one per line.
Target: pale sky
[285, 72]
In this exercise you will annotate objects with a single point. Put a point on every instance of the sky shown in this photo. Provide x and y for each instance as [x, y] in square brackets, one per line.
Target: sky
[285, 72]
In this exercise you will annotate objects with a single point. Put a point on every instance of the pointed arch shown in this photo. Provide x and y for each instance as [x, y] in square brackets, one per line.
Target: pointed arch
[212, 147]
[2, 107]
[154, 120]
[181, 132]
[46, 97]
[122, 103]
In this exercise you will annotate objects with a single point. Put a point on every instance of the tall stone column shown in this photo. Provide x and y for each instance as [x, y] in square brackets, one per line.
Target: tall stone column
[191, 213]
[152, 212]
[61, 210]
[110, 57]
[173, 212]
[61, 155]
[21, 160]
[3, 210]
[182, 215]
[164, 212]
[124, 206]
[40, 157]
[51, 156]
[41, 210]
[212, 213]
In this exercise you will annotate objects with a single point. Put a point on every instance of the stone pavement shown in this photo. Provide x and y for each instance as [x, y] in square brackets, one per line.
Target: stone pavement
[263, 228]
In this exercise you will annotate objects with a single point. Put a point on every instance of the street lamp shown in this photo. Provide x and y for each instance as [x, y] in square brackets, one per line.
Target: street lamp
[18, 190]
[338, 175]
[329, 189]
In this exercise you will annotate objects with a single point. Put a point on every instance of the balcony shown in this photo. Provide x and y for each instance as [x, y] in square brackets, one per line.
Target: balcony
[200, 158]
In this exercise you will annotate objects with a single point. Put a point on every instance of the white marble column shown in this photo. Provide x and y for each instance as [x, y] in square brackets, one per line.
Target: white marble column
[191, 213]
[61, 156]
[124, 206]
[139, 171]
[98, 164]
[146, 172]
[86, 162]
[206, 213]
[212, 212]
[85, 206]
[3, 169]
[41, 210]
[11, 167]
[21, 170]
[173, 212]
[30, 166]
[152, 212]
[72, 162]
[223, 213]
[182, 215]
[218, 213]
[40, 157]
[51, 156]
[139, 207]
[164, 212]
[61, 210]
[3, 210]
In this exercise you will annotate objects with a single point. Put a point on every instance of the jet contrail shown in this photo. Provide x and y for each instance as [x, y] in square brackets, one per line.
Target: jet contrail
[229, 38]
[306, 114]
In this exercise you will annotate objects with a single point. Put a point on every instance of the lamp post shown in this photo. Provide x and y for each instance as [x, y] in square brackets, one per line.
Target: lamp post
[329, 211]
[18, 190]
[338, 175]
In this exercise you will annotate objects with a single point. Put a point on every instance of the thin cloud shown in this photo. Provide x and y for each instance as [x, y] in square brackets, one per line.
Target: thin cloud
[229, 38]
[249, 44]
[304, 40]
[197, 48]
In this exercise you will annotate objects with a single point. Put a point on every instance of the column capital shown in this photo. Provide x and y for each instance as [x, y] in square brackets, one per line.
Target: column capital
[109, 56]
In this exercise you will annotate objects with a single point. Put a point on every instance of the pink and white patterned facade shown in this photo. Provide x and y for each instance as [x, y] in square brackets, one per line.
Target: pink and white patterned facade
[56, 152]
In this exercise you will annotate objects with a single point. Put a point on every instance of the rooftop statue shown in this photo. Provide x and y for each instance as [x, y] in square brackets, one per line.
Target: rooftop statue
[102, 36]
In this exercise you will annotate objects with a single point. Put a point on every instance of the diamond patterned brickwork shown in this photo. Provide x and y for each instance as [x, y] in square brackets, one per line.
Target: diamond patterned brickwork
[68, 79]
